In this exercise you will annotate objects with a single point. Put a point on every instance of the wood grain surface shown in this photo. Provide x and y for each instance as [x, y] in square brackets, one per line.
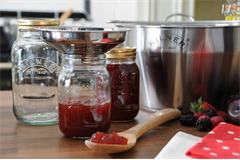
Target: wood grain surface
[22, 141]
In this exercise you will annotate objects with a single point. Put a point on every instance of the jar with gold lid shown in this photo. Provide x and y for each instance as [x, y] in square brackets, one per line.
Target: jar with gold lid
[35, 69]
[124, 75]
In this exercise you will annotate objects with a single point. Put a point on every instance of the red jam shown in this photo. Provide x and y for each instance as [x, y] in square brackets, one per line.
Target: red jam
[80, 121]
[112, 138]
[125, 91]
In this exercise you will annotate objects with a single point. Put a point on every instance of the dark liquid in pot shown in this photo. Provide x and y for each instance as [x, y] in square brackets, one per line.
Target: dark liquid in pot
[214, 76]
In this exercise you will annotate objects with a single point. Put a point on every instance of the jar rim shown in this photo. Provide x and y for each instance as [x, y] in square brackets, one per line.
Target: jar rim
[83, 60]
[121, 52]
[33, 23]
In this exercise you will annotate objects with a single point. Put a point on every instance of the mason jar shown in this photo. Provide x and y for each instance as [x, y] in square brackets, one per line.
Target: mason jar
[84, 95]
[125, 77]
[35, 69]
[231, 10]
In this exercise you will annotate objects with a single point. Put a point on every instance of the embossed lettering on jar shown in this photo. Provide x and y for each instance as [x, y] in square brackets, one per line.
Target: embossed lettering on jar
[34, 75]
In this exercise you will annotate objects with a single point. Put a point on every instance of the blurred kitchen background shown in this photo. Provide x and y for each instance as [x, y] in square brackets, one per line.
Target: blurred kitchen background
[93, 13]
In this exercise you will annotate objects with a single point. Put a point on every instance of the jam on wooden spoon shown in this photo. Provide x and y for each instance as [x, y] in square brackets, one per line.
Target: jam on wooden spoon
[112, 138]
[135, 132]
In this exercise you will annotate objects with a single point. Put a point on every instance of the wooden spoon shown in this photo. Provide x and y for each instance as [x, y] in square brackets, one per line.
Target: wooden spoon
[65, 15]
[135, 132]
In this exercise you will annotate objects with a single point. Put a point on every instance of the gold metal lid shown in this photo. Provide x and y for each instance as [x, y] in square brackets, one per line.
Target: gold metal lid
[33, 23]
[121, 52]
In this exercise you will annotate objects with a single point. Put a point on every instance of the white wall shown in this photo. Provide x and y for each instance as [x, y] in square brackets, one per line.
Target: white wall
[42, 5]
[131, 10]
[163, 8]
[102, 10]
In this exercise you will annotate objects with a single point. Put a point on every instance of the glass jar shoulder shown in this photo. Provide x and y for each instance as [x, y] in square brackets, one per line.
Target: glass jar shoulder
[28, 42]
[73, 72]
[24, 48]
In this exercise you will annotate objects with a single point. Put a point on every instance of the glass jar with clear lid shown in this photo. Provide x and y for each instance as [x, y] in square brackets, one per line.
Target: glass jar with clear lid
[35, 70]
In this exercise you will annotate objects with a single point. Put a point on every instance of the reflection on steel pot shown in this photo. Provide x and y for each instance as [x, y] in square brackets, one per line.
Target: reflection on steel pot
[181, 61]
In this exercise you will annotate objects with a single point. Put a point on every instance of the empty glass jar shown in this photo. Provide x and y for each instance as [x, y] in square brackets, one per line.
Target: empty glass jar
[35, 69]
[84, 95]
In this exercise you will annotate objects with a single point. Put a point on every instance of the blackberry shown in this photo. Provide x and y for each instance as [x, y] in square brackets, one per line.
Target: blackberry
[188, 120]
[211, 113]
[203, 124]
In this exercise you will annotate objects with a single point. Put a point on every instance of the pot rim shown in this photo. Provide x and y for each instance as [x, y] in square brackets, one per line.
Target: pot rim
[162, 24]
[75, 29]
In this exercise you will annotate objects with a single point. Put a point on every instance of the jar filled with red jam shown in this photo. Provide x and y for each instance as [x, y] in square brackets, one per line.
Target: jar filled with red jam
[124, 75]
[84, 95]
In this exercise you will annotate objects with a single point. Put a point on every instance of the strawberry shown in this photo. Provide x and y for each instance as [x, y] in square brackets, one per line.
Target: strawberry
[201, 106]
[208, 106]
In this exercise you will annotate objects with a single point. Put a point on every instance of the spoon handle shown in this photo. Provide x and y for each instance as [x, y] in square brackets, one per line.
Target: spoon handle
[154, 120]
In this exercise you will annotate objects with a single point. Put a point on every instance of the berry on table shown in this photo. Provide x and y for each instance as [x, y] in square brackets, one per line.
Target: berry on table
[211, 113]
[203, 117]
[200, 106]
[216, 120]
[203, 124]
[198, 114]
[222, 114]
[188, 120]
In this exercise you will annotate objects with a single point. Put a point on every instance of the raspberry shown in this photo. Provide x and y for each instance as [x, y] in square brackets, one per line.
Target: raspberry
[203, 124]
[188, 120]
[211, 113]
[203, 117]
[222, 114]
[198, 114]
[216, 120]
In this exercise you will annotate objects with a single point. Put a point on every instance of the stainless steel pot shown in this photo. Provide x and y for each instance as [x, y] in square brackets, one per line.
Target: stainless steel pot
[182, 61]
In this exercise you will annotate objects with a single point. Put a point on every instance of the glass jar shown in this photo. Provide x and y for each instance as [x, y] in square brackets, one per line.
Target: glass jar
[236, 11]
[34, 75]
[124, 75]
[84, 95]
[231, 10]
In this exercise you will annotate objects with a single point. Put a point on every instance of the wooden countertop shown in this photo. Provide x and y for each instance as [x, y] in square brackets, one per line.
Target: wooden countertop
[22, 141]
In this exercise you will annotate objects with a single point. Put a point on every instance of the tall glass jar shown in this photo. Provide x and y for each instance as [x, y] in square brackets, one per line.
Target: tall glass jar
[231, 10]
[124, 75]
[237, 11]
[84, 95]
[35, 69]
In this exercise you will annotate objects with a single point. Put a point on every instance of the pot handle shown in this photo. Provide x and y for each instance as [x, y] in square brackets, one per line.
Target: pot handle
[180, 14]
